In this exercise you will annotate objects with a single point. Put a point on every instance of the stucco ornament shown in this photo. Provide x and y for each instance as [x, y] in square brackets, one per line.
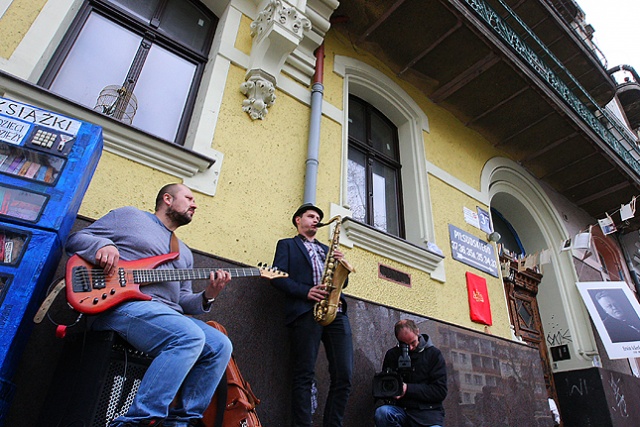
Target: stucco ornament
[260, 94]
[277, 32]
[278, 11]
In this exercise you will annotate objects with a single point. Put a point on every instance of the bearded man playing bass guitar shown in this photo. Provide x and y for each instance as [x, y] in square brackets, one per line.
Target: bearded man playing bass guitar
[189, 356]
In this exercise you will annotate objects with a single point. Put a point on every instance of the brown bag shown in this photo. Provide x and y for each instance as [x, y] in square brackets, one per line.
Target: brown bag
[240, 408]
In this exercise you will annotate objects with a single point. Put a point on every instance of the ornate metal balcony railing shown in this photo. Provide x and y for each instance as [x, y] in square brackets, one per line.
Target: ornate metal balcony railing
[508, 35]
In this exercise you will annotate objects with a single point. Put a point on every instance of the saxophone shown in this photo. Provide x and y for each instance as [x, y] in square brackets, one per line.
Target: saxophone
[333, 279]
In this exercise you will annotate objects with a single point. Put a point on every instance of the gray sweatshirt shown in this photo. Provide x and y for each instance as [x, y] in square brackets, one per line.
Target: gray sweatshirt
[138, 234]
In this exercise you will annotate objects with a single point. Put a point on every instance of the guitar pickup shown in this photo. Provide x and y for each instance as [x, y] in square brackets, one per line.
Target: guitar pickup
[98, 281]
[84, 281]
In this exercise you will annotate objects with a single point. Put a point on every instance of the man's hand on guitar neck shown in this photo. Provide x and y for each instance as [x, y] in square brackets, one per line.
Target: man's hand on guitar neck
[108, 257]
[217, 281]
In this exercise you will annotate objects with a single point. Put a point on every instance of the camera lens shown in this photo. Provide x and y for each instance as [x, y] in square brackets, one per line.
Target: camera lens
[389, 386]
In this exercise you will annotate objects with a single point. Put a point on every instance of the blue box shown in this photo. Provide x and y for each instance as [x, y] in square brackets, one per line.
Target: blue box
[46, 163]
[30, 276]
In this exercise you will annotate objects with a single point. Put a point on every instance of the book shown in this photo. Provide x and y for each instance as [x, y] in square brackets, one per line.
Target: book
[3, 158]
[33, 170]
[24, 168]
[7, 162]
[16, 164]
[2, 239]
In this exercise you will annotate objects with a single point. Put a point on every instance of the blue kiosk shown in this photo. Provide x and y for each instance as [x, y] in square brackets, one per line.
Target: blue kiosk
[46, 163]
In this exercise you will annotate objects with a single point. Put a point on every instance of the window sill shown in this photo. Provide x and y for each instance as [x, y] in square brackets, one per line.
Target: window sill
[198, 171]
[392, 247]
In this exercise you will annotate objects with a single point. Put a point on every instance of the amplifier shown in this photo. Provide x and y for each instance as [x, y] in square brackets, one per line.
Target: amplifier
[96, 379]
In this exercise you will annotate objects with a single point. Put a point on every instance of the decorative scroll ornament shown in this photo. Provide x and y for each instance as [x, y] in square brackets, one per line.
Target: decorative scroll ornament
[279, 12]
[260, 94]
[276, 32]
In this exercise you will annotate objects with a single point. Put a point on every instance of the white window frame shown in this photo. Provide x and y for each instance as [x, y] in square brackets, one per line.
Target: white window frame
[196, 163]
[4, 5]
[389, 98]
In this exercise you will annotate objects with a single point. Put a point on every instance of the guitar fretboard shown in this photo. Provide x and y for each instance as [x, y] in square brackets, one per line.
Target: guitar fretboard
[152, 276]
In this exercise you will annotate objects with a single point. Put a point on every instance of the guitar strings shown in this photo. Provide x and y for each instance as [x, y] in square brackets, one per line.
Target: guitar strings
[96, 279]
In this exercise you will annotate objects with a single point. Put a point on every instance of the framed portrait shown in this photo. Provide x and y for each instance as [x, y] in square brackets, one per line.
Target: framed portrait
[615, 312]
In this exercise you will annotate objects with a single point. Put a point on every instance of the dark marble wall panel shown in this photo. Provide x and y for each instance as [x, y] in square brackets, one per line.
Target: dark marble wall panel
[598, 397]
[492, 382]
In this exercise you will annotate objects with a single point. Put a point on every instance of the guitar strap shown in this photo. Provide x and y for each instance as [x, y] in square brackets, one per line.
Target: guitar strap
[174, 246]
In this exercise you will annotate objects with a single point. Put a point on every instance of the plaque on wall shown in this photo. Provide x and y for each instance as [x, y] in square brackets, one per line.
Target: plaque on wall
[473, 251]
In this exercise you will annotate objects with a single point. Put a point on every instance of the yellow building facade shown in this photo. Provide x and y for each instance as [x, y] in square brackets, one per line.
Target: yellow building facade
[261, 179]
[242, 145]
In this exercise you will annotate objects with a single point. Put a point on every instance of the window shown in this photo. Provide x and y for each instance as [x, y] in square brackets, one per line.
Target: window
[385, 170]
[373, 172]
[138, 62]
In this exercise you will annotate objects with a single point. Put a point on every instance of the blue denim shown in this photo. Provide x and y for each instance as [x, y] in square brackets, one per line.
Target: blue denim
[189, 356]
[392, 416]
[306, 336]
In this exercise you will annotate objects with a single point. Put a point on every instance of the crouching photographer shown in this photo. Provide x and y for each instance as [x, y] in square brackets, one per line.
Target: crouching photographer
[413, 381]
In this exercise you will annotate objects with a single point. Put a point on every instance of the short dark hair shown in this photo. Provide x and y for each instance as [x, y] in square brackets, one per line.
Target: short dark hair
[167, 189]
[601, 294]
[406, 324]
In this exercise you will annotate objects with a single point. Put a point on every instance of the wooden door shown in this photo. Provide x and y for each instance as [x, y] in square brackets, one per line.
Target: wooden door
[521, 288]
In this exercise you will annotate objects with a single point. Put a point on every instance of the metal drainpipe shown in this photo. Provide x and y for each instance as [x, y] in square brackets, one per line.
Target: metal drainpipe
[317, 91]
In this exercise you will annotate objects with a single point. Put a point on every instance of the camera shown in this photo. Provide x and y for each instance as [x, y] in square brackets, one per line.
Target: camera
[388, 384]
[404, 361]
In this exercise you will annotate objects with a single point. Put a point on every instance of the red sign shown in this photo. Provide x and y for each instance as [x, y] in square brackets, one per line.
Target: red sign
[479, 306]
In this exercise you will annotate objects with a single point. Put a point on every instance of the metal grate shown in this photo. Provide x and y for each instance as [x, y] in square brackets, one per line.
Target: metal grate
[122, 382]
[393, 275]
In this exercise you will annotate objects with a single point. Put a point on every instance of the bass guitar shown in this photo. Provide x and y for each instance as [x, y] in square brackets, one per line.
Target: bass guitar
[90, 291]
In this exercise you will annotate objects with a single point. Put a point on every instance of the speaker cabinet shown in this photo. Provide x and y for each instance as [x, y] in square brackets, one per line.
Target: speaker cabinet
[96, 380]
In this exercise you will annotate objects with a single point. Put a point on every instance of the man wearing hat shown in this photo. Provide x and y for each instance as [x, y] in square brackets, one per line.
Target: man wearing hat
[303, 258]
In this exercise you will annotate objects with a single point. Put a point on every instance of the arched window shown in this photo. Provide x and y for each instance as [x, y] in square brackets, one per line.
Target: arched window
[374, 189]
[384, 176]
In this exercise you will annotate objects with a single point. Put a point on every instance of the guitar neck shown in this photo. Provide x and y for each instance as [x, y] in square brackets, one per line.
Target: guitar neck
[154, 276]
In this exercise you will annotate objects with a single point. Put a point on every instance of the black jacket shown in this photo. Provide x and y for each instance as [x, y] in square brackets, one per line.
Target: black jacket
[292, 257]
[426, 384]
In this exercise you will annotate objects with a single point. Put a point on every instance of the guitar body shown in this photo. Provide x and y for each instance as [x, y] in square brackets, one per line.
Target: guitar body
[89, 291]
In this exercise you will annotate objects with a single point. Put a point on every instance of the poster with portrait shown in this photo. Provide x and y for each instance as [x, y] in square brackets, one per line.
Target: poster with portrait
[615, 312]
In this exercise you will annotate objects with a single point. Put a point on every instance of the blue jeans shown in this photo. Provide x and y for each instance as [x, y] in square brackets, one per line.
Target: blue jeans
[189, 356]
[306, 336]
[392, 416]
